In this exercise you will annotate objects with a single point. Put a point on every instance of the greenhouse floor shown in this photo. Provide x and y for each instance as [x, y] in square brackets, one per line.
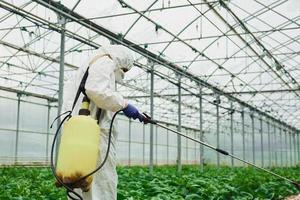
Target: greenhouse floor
[23, 183]
[294, 197]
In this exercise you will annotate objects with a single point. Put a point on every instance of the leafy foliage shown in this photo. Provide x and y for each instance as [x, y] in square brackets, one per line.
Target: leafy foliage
[28, 184]
[164, 184]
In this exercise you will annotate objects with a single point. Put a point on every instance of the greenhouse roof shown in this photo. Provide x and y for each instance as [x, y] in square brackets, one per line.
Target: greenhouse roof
[245, 50]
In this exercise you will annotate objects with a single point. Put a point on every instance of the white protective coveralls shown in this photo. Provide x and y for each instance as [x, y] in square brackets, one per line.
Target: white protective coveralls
[100, 88]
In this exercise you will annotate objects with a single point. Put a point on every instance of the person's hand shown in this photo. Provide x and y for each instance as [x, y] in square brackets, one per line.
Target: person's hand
[132, 112]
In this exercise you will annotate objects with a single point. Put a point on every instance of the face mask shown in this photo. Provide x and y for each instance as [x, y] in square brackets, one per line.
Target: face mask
[119, 75]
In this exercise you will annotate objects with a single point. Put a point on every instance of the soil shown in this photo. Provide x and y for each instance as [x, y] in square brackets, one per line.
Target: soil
[294, 197]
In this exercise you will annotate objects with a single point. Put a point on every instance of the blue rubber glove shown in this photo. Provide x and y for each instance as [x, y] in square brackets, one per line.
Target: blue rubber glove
[132, 112]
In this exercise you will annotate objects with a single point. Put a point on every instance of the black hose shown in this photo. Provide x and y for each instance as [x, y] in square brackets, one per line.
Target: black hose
[69, 189]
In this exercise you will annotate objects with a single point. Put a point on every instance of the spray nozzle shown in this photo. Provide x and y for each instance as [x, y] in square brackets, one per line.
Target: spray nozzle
[147, 119]
[297, 185]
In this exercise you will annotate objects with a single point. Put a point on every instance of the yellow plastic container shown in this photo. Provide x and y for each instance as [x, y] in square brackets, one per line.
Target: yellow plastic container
[78, 151]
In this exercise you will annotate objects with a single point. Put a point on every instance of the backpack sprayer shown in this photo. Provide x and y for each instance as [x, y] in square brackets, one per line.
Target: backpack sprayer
[80, 136]
[80, 141]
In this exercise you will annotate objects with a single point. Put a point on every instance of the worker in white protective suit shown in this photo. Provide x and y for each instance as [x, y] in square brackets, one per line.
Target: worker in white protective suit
[106, 67]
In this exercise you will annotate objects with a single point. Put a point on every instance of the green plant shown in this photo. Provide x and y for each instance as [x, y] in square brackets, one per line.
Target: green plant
[135, 183]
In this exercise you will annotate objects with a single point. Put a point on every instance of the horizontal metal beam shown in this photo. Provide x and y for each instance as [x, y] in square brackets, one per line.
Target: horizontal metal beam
[238, 57]
[56, 60]
[212, 94]
[220, 36]
[9, 64]
[264, 91]
[151, 10]
[43, 23]
[117, 38]
[51, 99]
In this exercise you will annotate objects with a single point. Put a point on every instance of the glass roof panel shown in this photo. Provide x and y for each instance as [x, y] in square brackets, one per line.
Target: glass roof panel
[247, 48]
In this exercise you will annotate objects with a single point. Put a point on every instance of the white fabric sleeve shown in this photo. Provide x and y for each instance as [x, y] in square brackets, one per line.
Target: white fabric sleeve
[99, 84]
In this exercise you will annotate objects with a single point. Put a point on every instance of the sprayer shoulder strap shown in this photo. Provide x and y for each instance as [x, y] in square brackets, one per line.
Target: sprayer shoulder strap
[81, 88]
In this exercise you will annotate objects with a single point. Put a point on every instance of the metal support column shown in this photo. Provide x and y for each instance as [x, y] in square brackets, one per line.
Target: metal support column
[291, 147]
[231, 133]
[48, 132]
[243, 135]
[179, 166]
[261, 142]
[295, 148]
[152, 116]
[187, 148]
[218, 129]
[253, 136]
[298, 136]
[201, 129]
[168, 147]
[144, 144]
[62, 22]
[281, 146]
[195, 148]
[17, 129]
[129, 143]
[275, 144]
[156, 145]
[286, 148]
[269, 144]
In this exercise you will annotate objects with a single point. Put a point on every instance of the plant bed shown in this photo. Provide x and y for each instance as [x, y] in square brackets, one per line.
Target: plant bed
[20, 183]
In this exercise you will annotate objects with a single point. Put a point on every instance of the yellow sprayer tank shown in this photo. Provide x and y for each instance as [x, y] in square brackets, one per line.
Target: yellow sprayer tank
[78, 150]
